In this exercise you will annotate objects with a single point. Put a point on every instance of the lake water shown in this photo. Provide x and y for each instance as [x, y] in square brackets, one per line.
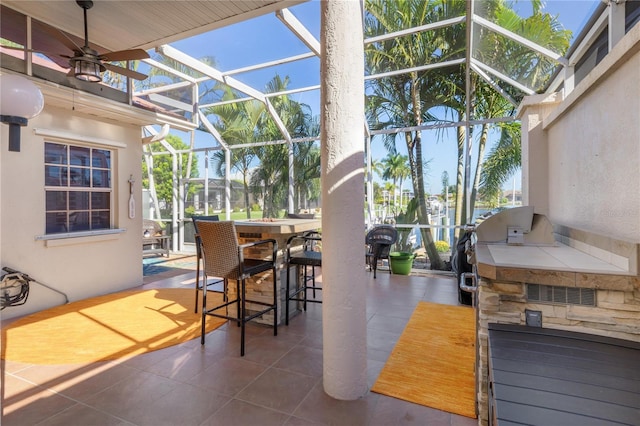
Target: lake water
[415, 232]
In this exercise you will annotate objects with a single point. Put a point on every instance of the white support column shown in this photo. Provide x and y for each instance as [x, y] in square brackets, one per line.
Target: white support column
[370, 202]
[291, 208]
[155, 205]
[467, 114]
[343, 273]
[175, 197]
[227, 184]
[176, 174]
[206, 183]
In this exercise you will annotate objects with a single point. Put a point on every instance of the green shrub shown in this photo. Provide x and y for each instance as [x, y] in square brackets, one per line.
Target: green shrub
[189, 211]
[442, 246]
[256, 208]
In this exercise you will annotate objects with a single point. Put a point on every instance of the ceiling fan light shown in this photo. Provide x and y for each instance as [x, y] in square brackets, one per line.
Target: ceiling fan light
[87, 71]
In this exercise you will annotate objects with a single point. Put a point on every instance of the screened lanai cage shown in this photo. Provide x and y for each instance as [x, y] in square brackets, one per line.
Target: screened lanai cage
[447, 76]
[443, 81]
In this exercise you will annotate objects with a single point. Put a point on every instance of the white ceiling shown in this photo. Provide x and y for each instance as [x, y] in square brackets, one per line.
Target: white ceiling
[126, 24]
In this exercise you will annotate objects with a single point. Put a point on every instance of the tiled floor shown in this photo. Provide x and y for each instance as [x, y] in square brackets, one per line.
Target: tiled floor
[277, 382]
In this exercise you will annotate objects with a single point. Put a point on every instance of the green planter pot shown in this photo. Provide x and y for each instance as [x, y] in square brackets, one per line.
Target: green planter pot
[401, 262]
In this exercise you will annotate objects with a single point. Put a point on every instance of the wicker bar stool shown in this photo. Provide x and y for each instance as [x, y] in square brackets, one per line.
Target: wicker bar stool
[224, 257]
[307, 257]
[214, 218]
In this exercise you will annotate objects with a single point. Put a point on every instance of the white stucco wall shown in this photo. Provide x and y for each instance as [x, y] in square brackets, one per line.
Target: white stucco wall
[593, 140]
[80, 267]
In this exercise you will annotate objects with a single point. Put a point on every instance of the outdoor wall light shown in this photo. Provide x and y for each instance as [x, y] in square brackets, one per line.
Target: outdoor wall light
[20, 100]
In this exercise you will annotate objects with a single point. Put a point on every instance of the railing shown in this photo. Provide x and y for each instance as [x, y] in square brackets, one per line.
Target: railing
[188, 233]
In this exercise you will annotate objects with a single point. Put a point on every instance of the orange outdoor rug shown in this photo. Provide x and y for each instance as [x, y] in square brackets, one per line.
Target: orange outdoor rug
[433, 362]
[107, 327]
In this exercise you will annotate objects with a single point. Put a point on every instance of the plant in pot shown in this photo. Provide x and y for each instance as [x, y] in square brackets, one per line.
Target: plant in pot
[401, 259]
[401, 262]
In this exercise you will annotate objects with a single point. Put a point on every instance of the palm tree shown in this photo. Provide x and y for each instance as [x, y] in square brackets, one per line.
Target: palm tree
[271, 177]
[376, 167]
[161, 176]
[269, 180]
[395, 168]
[445, 184]
[238, 123]
[241, 161]
[306, 158]
[208, 90]
[526, 67]
[502, 162]
[511, 58]
[119, 81]
[404, 100]
[490, 104]
[306, 166]
[388, 188]
[403, 173]
[184, 94]
[246, 122]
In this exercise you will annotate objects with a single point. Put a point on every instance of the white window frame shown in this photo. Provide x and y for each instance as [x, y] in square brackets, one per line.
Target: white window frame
[70, 139]
[80, 182]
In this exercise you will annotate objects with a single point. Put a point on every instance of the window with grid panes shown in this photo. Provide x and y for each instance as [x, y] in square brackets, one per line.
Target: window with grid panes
[77, 188]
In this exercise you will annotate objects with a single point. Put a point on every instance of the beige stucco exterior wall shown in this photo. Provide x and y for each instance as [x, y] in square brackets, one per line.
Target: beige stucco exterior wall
[592, 139]
[535, 150]
[80, 267]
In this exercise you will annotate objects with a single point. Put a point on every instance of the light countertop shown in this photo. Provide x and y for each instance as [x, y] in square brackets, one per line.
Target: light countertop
[546, 264]
[558, 257]
[277, 226]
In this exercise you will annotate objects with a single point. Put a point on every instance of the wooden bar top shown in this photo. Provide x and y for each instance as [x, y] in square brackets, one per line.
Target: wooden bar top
[277, 226]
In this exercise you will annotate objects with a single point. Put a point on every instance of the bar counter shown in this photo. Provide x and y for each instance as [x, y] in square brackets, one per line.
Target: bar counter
[260, 287]
[277, 226]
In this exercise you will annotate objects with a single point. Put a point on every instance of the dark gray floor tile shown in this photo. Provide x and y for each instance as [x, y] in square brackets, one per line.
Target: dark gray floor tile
[241, 413]
[278, 389]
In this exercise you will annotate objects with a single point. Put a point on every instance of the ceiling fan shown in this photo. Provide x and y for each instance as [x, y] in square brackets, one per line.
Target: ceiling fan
[86, 63]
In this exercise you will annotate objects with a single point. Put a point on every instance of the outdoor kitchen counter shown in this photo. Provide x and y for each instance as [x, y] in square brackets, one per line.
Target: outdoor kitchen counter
[558, 280]
[569, 289]
[558, 264]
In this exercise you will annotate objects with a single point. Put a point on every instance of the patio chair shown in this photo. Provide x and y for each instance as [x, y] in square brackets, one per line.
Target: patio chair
[154, 238]
[307, 256]
[301, 215]
[224, 257]
[379, 241]
[214, 218]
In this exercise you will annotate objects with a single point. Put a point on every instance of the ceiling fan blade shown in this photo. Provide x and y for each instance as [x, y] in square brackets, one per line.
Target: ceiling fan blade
[23, 49]
[125, 55]
[54, 57]
[59, 60]
[125, 71]
[62, 37]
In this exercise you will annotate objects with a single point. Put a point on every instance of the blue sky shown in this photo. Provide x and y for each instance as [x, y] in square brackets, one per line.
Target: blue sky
[266, 39]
